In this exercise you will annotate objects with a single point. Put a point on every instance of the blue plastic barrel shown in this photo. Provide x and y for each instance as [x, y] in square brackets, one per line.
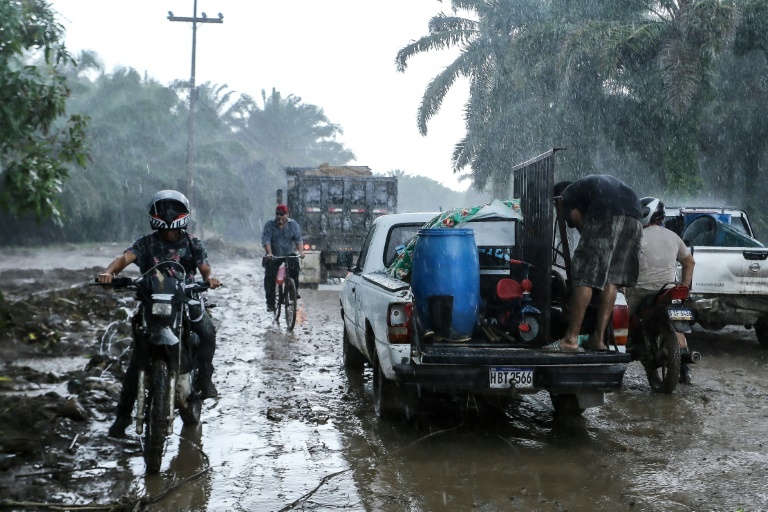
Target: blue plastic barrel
[445, 280]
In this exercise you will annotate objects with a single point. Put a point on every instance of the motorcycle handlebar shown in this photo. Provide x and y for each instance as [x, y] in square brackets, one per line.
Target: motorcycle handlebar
[117, 282]
[129, 283]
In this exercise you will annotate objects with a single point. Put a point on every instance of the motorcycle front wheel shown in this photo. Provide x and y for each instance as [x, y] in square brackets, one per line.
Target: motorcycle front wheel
[661, 360]
[157, 417]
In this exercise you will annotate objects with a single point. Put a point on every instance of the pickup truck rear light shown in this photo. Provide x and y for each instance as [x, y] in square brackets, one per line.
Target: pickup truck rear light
[399, 323]
[620, 323]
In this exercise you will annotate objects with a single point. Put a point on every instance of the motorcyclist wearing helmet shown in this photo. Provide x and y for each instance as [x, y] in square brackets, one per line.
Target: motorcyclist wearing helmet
[169, 213]
[660, 251]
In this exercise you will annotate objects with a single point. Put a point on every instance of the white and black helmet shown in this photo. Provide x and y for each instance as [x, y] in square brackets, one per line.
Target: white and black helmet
[652, 210]
[169, 209]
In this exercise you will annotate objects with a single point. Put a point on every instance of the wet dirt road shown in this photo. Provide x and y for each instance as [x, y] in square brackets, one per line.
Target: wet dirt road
[292, 431]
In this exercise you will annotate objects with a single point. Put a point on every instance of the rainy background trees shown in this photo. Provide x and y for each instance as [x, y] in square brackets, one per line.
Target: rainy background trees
[667, 95]
[670, 96]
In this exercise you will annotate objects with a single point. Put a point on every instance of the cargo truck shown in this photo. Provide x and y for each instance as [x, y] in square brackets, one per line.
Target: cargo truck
[335, 207]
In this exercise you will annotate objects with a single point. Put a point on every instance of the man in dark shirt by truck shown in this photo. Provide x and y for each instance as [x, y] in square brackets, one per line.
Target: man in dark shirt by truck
[606, 212]
[281, 237]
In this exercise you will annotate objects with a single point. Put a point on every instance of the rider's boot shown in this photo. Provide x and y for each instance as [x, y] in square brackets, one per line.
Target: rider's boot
[122, 422]
[204, 383]
[125, 403]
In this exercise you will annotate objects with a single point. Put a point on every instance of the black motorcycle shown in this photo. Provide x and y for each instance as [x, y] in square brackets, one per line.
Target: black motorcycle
[167, 366]
[653, 339]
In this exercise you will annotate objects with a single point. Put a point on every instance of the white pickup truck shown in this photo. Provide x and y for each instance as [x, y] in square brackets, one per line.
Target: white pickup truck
[378, 329]
[730, 279]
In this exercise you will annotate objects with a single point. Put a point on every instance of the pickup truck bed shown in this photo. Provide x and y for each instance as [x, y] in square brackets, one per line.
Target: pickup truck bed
[376, 310]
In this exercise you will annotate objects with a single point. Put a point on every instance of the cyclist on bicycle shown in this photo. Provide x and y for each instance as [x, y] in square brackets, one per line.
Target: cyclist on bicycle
[281, 237]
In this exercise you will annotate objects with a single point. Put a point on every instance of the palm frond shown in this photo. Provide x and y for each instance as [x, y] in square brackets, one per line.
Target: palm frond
[438, 87]
[631, 46]
[682, 72]
[437, 41]
[444, 23]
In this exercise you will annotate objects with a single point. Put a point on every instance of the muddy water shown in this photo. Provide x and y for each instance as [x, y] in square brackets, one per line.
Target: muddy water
[292, 431]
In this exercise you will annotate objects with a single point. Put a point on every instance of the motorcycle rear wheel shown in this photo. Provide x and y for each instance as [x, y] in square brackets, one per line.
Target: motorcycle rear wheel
[157, 419]
[661, 360]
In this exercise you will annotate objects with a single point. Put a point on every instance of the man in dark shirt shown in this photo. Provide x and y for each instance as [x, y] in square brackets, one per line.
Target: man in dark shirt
[606, 212]
[168, 214]
[281, 237]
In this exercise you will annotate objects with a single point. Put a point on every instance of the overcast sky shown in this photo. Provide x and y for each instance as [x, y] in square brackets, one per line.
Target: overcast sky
[336, 54]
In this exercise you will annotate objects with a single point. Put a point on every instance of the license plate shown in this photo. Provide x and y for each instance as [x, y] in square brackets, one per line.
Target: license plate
[508, 377]
[680, 314]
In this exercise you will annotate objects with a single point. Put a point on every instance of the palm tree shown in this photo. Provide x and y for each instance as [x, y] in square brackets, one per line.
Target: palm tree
[484, 42]
[658, 64]
[596, 77]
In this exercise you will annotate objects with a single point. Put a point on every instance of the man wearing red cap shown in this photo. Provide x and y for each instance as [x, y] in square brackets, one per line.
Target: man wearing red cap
[281, 237]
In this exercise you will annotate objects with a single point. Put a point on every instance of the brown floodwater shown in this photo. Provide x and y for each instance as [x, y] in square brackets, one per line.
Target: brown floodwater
[292, 431]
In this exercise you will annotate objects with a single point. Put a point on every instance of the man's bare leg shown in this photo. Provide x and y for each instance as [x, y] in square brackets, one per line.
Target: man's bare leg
[578, 307]
[604, 311]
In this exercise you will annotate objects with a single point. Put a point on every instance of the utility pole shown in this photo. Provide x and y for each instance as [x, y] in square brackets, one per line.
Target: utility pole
[193, 90]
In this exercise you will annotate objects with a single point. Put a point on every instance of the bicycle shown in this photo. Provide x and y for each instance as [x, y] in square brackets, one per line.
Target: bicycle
[285, 292]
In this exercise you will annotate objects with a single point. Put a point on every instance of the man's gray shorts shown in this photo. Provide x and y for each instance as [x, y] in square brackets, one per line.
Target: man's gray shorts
[608, 252]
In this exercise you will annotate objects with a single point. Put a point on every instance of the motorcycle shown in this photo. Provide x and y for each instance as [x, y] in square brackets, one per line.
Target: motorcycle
[167, 378]
[653, 339]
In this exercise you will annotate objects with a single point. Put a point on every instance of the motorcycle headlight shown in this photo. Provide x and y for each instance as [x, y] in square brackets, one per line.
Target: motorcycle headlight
[162, 308]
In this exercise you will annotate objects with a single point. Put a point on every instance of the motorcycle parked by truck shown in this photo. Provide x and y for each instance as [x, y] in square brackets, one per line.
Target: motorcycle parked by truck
[653, 336]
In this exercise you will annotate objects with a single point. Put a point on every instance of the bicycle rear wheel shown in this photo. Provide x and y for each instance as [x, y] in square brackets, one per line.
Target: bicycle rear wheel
[278, 301]
[289, 298]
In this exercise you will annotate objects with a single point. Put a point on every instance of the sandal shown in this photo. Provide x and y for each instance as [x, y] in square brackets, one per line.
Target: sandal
[589, 346]
[558, 347]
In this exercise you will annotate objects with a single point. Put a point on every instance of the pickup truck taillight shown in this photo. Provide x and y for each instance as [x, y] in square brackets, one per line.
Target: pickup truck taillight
[399, 322]
[620, 323]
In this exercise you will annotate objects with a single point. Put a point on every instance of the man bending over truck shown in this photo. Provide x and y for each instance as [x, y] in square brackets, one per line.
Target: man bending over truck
[281, 237]
[606, 212]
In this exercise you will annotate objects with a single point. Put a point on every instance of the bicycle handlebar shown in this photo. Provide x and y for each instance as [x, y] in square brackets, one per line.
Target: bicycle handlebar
[290, 256]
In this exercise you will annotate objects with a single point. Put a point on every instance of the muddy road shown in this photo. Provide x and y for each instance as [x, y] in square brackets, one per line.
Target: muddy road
[292, 431]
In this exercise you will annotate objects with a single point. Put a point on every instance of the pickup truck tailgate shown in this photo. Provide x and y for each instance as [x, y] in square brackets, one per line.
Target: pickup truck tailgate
[734, 270]
[457, 368]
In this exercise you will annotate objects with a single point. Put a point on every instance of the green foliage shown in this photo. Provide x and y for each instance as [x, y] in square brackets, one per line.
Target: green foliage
[138, 138]
[624, 86]
[36, 143]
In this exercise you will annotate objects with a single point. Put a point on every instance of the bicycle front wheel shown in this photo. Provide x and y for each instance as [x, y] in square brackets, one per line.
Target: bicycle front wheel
[278, 300]
[289, 298]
